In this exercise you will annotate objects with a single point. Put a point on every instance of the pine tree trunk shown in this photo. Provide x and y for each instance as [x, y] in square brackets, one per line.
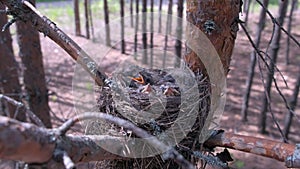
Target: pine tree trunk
[151, 33]
[170, 12]
[178, 44]
[86, 14]
[122, 26]
[34, 76]
[144, 30]
[246, 10]
[218, 21]
[91, 19]
[289, 27]
[168, 27]
[159, 17]
[136, 28]
[106, 21]
[293, 104]
[222, 15]
[131, 13]
[273, 55]
[251, 70]
[9, 78]
[77, 18]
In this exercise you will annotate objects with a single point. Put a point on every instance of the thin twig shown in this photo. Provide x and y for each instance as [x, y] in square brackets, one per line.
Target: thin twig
[275, 22]
[276, 68]
[27, 12]
[19, 105]
[285, 100]
[267, 95]
[171, 152]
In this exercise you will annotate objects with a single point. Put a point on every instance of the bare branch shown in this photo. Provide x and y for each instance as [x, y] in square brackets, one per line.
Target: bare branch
[171, 152]
[293, 161]
[38, 145]
[20, 105]
[276, 22]
[33, 144]
[26, 12]
[263, 147]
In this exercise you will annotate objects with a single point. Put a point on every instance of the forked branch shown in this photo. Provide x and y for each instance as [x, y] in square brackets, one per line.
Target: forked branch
[26, 12]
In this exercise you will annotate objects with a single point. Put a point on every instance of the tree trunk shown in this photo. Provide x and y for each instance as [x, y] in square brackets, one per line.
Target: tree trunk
[91, 19]
[34, 76]
[9, 78]
[246, 10]
[77, 18]
[168, 27]
[122, 26]
[293, 104]
[273, 55]
[287, 51]
[218, 19]
[86, 14]
[136, 28]
[131, 13]
[151, 33]
[144, 30]
[178, 44]
[251, 70]
[106, 21]
[159, 17]
[170, 12]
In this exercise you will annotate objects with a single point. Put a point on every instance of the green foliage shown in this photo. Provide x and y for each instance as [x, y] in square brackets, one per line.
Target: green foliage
[273, 2]
[239, 164]
[57, 12]
[47, 0]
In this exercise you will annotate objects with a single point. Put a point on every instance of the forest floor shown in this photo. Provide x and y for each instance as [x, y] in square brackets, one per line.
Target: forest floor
[60, 68]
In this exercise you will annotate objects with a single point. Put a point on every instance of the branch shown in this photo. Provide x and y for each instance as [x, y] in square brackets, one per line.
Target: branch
[20, 105]
[35, 144]
[38, 145]
[263, 147]
[171, 153]
[25, 11]
[276, 22]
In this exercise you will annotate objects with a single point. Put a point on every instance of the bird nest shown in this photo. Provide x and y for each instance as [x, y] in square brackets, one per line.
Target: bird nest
[175, 102]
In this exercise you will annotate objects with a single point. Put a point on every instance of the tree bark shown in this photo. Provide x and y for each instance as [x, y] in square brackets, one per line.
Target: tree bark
[106, 21]
[151, 32]
[159, 17]
[9, 78]
[34, 76]
[136, 28]
[293, 104]
[86, 14]
[91, 19]
[144, 34]
[273, 55]
[131, 13]
[251, 70]
[168, 27]
[37, 145]
[178, 44]
[170, 12]
[289, 27]
[77, 18]
[246, 10]
[218, 20]
[122, 26]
